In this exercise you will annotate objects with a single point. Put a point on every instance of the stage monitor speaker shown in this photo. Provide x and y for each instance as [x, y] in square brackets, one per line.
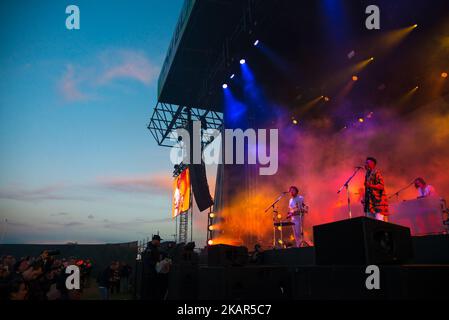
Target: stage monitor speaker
[200, 187]
[225, 255]
[362, 241]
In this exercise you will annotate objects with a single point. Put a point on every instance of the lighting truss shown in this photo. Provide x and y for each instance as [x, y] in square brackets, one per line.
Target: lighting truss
[167, 118]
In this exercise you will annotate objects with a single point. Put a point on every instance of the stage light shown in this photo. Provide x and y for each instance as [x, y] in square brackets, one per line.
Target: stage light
[361, 120]
[256, 42]
[210, 242]
[371, 59]
[212, 227]
[355, 78]
[212, 215]
[351, 54]
[295, 122]
[327, 99]
[224, 85]
[414, 26]
[242, 61]
[444, 75]
[279, 216]
[232, 76]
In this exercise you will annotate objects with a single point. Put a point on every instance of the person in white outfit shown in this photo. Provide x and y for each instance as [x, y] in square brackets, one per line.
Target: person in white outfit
[295, 212]
[424, 190]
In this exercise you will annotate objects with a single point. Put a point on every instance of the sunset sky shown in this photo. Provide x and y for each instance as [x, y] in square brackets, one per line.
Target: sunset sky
[77, 161]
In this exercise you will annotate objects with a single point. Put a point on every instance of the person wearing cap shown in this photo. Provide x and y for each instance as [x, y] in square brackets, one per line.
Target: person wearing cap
[150, 257]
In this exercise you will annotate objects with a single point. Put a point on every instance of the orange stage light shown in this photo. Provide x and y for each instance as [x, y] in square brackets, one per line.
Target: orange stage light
[355, 78]
[210, 242]
[444, 75]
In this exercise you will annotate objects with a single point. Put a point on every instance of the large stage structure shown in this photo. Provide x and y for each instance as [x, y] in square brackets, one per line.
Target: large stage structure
[301, 53]
[314, 71]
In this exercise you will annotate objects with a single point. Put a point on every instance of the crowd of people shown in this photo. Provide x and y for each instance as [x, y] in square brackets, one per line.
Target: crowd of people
[115, 278]
[40, 278]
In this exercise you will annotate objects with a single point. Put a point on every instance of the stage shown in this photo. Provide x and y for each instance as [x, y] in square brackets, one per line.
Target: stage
[293, 274]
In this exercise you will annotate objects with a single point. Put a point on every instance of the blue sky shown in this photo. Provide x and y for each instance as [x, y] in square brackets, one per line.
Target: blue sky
[77, 162]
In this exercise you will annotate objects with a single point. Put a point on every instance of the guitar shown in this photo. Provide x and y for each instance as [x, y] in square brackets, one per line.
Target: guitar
[299, 212]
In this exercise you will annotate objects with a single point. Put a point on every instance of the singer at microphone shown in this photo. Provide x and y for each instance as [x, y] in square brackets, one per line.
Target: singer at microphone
[375, 201]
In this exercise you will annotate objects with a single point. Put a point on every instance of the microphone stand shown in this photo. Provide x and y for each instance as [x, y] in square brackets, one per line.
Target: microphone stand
[399, 191]
[346, 185]
[272, 206]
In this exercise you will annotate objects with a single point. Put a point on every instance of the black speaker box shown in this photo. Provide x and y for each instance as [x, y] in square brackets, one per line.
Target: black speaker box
[200, 187]
[183, 282]
[362, 241]
[225, 255]
[244, 283]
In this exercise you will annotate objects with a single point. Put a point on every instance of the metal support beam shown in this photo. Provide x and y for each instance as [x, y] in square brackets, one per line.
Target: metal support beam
[167, 118]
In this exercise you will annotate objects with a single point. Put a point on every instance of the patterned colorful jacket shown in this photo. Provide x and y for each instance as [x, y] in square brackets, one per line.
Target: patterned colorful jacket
[375, 200]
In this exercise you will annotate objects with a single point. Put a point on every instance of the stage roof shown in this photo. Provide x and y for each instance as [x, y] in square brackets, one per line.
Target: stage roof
[307, 45]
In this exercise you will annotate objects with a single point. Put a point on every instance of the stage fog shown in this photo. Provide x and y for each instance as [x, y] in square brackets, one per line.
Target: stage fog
[318, 158]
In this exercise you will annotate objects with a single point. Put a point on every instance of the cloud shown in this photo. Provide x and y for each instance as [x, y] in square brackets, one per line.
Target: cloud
[138, 184]
[134, 223]
[155, 184]
[72, 224]
[128, 64]
[80, 83]
[51, 192]
[69, 85]
[59, 214]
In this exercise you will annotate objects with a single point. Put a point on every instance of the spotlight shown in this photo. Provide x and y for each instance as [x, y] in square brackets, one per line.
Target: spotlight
[295, 122]
[361, 120]
[212, 215]
[279, 216]
[224, 85]
[444, 75]
[371, 59]
[211, 227]
[414, 26]
[327, 99]
[210, 242]
[232, 76]
[242, 61]
[256, 42]
[355, 78]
